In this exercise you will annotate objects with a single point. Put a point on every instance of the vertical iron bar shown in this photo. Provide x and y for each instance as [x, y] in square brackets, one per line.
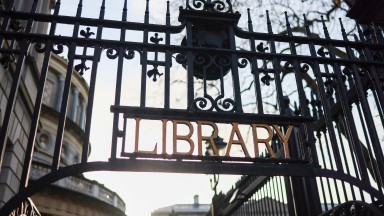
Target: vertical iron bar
[331, 164]
[283, 197]
[302, 98]
[318, 134]
[92, 86]
[325, 167]
[345, 158]
[276, 193]
[279, 194]
[274, 201]
[350, 126]
[276, 68]
[367, 113]
[190, 60]
[120, 65]
[24, 47]
[38, 104]
[235, 71]
[168, 61]
[255, 69]
[144, 59]
[67, 88]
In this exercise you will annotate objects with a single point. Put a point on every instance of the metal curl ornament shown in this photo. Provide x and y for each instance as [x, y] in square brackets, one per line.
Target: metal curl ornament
[288, 66]
[201, 103]
[211, 6]
[242, 63]
[40, 48]
[57, 48]
[228, 104]
[129, 54]
[181, 59]
[202, 59]
[112, 53]
[321, 52]
[222, 61]
[304, 68]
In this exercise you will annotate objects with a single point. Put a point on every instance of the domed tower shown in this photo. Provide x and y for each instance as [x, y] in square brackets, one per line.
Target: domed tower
[75, 195]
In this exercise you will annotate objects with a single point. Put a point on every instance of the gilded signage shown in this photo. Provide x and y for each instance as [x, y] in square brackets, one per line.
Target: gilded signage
[236, 138]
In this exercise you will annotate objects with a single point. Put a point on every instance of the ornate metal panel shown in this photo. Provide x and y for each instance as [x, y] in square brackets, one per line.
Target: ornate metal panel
[310, 138]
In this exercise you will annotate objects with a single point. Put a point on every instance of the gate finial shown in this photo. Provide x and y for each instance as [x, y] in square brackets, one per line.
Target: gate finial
[269, 23]
[287, 24]
[325, 28]
[102, 10]
[146, 16]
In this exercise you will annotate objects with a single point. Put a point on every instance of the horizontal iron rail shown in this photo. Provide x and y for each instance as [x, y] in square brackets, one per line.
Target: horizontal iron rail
[218, 117]
[92, 22]
[177, 29]
[218, 159]
[40, 38]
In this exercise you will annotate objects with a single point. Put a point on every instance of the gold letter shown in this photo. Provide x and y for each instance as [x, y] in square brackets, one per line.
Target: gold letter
[285, 138]
[235, 129]
[266, 141]
[154, 151]
[185, 137]
[164, 136]
[208, 138]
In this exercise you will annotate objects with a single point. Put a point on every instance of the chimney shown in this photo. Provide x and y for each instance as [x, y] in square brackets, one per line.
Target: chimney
[196, 200]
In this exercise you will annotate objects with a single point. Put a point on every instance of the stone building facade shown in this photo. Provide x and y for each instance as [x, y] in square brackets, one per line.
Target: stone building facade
[75, 195]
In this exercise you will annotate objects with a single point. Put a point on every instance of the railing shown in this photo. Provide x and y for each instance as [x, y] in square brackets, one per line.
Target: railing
[81, 185]
[330, 130]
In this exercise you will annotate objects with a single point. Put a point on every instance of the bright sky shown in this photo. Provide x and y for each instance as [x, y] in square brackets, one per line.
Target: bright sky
[142, 192]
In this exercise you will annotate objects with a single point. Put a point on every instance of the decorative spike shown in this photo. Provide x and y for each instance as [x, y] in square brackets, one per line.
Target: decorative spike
[102, 10]
[306, 25]
[146, 17]
[325, 28]
[125, 5]
[168, 15]
[79, 8]
[343, 30]
[377, 35]
[269, 23]
[125, 9]
[355, 37]
[57, 8]
[361, 35]
[168, 10]
[289, 30]
[313, 96]
[250, 25]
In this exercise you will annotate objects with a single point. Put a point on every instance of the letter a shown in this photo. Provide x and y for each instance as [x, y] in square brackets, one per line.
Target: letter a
[240, 141]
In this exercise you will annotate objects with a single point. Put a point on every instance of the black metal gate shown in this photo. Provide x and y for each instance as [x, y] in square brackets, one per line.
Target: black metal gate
[320, 149]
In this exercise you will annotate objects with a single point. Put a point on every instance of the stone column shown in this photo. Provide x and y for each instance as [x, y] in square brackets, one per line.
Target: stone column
[60, 93]
[83, 113]
[75, 103]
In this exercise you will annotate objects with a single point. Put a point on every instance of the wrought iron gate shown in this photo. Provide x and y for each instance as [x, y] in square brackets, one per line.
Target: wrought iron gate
[323, 144]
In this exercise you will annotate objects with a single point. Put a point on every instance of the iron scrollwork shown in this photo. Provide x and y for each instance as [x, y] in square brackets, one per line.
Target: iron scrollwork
[81, 67]
[209, 5]
[155, 72]
[226, 105]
